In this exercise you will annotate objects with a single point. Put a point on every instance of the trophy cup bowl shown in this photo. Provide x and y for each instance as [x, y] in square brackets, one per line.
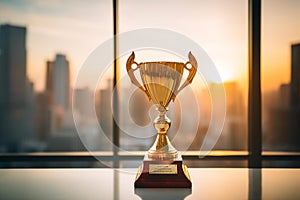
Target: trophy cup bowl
[161, 83]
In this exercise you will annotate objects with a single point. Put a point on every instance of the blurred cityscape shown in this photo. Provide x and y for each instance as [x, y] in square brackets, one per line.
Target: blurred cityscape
[43, 121]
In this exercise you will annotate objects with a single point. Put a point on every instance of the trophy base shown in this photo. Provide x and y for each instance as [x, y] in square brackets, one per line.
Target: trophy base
[170, 173]
[163, 193]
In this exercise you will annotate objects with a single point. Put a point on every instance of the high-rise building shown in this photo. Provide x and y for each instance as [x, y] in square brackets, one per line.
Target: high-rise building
[16, 92]
[83, 99]
[105, 113]
[284, 96]
[295, 76]
[61, 81]
[234, 131]
[49, 82]
[54, 103]
[294, 132]
[285, 117]
[12, 65]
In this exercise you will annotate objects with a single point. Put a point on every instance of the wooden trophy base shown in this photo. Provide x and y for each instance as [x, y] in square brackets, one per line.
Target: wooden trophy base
[163, 174]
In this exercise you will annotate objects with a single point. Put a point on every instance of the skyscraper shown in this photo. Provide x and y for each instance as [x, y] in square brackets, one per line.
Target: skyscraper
[295, 76]
[234, 131]
[83, 98]
[16, 92]
[55, 101]
[12, 65]
[294, 134]
[49, 82]
[105, 113]
[284, 113]
[61, 81]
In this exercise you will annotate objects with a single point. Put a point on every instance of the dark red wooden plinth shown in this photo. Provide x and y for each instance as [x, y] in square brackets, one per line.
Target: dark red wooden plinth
[145, 179]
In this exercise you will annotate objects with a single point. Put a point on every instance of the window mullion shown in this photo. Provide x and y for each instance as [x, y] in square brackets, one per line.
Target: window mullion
[254, 97]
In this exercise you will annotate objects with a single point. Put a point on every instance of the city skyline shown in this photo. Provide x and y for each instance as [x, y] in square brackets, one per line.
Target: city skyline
[17, 101]
[54, 122]
[225, 42]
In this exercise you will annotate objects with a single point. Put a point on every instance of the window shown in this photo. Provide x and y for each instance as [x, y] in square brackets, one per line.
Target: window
[280, 77]
[220, 27]
[43, 46]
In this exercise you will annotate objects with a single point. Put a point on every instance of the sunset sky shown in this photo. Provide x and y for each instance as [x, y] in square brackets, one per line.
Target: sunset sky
[76, 27]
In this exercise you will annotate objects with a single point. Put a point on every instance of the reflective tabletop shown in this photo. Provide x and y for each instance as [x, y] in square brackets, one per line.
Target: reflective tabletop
[208, 183]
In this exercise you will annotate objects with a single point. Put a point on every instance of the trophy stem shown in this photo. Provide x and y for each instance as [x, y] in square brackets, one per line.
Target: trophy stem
[162, 148]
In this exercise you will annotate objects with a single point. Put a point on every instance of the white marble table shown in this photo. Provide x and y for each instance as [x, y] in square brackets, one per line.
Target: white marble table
[208, 183]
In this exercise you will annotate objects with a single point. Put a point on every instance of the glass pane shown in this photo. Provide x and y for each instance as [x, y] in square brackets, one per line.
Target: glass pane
[281, 75]
[43, 45]
[220, 28]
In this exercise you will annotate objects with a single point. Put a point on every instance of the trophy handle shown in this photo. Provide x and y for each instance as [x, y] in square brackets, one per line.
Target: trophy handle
[192, 72]
[131, 75]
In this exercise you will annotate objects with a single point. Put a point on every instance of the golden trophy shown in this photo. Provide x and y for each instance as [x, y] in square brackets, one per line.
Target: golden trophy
[162, 165]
